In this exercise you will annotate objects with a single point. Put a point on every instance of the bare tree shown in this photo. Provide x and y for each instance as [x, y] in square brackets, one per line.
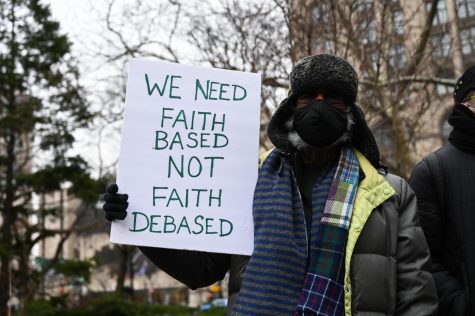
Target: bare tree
[246, 36]
[389, 44]
[393, 69]
[250, 36]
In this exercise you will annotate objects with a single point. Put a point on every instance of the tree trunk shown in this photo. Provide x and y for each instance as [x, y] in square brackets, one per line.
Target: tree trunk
[124, 252]
[8, 219]
[8, 216]
[300, 29]
[403, 159]
[457, 56]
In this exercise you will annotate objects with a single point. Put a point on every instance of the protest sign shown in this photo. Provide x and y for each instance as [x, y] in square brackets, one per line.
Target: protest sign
[188, 157]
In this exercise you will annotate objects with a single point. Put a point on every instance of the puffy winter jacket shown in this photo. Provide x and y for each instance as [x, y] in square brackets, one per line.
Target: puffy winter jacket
[387, 259]
[449, 225]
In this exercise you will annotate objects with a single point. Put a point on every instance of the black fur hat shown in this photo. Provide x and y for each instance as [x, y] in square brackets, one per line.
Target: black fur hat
[331, 73]
[327, 72]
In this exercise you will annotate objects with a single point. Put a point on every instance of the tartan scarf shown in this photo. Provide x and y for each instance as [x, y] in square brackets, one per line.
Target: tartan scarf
[322, 292]
[277, 280]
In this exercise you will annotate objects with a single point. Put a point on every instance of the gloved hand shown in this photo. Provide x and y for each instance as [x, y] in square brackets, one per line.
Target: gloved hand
[115, 204]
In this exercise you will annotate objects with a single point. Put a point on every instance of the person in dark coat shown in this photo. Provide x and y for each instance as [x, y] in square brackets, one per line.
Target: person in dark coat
[444, 183]
[334, 233]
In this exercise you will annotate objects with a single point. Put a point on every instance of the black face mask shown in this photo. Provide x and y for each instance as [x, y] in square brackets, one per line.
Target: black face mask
[463, 134]
[320, 123]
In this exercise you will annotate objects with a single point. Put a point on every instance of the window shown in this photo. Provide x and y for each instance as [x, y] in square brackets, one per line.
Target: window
[465, 8]
[441, 14]
[467, 38]
[322, 19]
[365, 23]
[324, 47]
[470, 7]
[369, 32]
[397, 56]
[364, 6]
[461, 9]
[321, 14]
[441, 45]
[472, 39]
[385, 139]
[373, 58]
[442, 90]
[372, 31]
[398, 22]
[446, 129]
[465, 41]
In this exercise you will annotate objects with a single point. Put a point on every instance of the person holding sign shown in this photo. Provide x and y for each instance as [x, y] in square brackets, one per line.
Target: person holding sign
[334, 233]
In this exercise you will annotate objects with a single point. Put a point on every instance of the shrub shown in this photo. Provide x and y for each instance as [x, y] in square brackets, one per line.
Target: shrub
[113, 306]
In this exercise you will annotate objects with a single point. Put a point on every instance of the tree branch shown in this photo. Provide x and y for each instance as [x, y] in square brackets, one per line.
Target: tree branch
[410, 79]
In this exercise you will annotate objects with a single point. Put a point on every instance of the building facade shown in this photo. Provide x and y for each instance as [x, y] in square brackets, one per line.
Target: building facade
[407, 66]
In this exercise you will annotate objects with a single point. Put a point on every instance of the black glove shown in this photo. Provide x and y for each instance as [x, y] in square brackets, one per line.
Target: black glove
[115, 204]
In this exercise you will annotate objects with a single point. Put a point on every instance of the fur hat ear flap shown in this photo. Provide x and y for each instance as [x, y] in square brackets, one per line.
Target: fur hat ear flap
[362, 138]
[279, 129]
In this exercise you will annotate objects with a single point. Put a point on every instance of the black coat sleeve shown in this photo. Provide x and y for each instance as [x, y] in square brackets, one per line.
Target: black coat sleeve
[193, 268]
[450, 291]
[416, 293]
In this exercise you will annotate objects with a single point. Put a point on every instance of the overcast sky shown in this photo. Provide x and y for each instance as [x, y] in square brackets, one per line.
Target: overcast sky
[81, 21]
[77, 18]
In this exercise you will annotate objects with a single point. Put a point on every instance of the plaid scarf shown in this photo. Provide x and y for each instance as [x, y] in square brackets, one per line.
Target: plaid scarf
[277, 280]
[322, 292]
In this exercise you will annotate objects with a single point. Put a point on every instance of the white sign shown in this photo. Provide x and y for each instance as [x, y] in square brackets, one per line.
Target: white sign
[189, 157]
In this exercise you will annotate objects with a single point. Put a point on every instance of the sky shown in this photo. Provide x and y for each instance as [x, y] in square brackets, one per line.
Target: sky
[70, 13]
[81, 21]
[84, 23]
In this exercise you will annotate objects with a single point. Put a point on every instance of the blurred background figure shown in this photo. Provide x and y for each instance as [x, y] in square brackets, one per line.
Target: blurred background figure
[444, 183]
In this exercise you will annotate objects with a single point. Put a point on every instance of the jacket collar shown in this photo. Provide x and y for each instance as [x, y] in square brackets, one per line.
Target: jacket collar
[373, 190]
